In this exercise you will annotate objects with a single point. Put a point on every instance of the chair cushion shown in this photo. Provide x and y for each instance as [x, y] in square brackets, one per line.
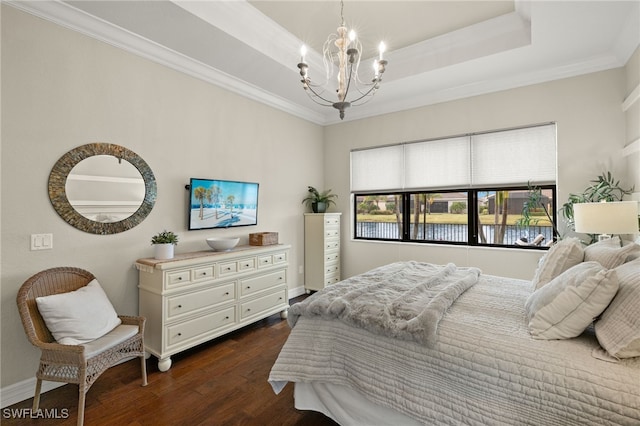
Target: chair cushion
[78, 316]
[109, 340]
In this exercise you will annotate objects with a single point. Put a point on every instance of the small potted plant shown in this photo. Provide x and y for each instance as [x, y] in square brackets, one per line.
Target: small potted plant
[319, 201]
[163, 244]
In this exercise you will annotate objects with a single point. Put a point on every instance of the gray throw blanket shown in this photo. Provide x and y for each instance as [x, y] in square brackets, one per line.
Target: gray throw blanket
[404, 300]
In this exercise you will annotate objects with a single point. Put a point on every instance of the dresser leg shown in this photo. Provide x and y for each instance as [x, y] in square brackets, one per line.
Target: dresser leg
[164, 364]
[284, 314]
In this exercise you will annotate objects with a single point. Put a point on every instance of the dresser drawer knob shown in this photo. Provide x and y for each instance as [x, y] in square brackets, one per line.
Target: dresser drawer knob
[226, 293]
[179, 278]
[227, 317]
[179, 334]
[179, 306]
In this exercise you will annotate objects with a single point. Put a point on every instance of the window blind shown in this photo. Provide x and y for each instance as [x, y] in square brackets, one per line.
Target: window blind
[377, 169]
[514, 157]
[437, 164]
[502, 158]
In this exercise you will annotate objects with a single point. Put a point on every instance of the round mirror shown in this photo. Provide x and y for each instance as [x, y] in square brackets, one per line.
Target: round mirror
[102, 188]
[105, 189]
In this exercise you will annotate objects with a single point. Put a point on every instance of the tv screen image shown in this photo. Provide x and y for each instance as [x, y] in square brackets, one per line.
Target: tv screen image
[222, 203]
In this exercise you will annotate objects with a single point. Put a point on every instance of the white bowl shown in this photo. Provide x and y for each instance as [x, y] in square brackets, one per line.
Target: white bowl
[222, 244]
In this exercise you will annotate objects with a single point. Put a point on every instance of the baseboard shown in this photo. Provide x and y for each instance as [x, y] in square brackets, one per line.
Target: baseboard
[295, 292]
[25, 389]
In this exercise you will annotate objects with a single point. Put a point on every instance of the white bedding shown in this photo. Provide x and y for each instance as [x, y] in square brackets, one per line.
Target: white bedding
[484, 369]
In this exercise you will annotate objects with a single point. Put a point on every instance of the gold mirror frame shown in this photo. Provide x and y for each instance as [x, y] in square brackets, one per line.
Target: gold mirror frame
[58, 193]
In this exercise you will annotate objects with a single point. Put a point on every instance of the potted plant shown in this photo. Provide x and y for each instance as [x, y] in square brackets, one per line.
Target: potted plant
[319, 201]
[603, 188]
[164, 243]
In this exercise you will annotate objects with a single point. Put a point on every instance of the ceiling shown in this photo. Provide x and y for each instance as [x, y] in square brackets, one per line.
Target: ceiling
[437, 50]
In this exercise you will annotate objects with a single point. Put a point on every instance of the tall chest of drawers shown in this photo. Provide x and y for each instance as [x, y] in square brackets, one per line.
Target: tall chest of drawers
[196, 297]
[321, 250]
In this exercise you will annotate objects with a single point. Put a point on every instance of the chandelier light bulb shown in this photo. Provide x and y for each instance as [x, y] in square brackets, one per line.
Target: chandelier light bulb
[352, 35]
[303, 52]
[382, 47]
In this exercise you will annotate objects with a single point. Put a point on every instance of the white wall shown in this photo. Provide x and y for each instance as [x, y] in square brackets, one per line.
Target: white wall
[591, 135]
[632, 113]
[61, 90]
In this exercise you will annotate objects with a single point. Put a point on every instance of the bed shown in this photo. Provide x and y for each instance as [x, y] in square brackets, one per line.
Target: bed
[483, 366]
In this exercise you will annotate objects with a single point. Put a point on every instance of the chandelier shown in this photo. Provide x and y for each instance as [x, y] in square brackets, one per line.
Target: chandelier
[344, 51]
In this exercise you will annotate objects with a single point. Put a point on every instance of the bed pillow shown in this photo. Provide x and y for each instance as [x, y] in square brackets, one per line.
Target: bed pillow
[609, 253]
[632, 256]
[560, 257]
[618, 330]
[79, 316]
[566, 306]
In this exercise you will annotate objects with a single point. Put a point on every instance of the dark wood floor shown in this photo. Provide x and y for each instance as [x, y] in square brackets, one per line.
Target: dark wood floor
[223, 382]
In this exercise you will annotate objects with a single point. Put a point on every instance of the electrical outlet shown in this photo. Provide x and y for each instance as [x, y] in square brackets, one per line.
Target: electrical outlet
[41, 241]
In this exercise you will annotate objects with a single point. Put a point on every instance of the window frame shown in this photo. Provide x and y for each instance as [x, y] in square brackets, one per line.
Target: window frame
[472, 216]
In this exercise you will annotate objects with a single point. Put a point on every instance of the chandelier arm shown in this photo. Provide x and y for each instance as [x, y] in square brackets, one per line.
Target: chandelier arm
[372, 89]
[365, 88]
[366, 100]
[317, 95]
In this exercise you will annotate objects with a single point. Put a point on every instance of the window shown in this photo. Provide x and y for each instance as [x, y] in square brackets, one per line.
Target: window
[467, 190]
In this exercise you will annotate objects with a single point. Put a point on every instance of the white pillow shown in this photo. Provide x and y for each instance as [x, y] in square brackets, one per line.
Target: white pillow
[609, 253]
[566, 306]
[618, 329]
[560, 257]
[79, 316]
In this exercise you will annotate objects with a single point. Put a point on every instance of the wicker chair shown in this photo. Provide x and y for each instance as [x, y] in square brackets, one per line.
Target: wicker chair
[68, 363]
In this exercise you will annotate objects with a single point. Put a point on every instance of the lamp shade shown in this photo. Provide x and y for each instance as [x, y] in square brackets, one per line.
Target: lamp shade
[618, 217]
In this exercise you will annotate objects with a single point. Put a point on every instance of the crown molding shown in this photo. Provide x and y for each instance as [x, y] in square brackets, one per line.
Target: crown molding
[456, 92]
[394, 96]
[69, 17]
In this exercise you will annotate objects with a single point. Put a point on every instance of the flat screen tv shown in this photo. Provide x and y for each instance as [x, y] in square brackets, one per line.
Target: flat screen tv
[222, 203]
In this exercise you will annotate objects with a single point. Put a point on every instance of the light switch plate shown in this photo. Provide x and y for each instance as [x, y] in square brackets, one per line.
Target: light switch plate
[41, 241]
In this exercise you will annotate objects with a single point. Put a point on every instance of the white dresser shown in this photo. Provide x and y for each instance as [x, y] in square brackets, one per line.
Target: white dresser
[321, 250]
[198, 296]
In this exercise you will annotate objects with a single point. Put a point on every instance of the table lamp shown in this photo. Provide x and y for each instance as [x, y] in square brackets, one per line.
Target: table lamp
[606, 218]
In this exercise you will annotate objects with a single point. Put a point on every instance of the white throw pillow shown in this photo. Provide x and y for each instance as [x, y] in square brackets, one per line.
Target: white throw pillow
[618, 329]
[79, 316]
[560, 257]
[566, 306]
[609, 253]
